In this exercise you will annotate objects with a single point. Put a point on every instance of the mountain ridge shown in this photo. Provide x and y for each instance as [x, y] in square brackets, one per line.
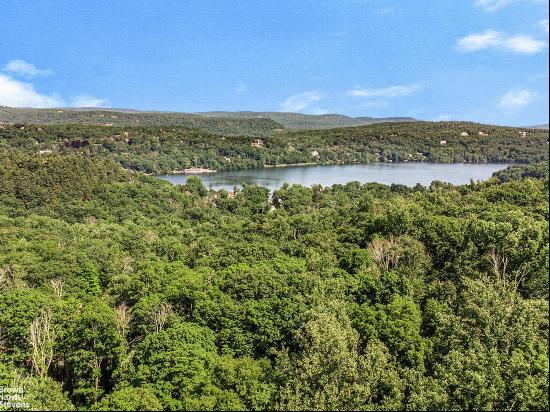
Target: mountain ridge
[108, 116]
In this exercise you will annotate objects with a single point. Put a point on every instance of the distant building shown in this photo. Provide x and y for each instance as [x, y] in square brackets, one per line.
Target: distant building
[483, 134]
[315, 153]
[522, 134]
[257, 143]
[443, 142]
[464, 134]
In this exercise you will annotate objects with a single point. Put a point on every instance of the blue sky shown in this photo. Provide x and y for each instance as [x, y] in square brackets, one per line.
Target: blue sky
[480, 60]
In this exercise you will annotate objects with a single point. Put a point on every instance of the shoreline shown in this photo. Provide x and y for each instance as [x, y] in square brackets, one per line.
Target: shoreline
[293, 165]
[193, 171]
[200, 170]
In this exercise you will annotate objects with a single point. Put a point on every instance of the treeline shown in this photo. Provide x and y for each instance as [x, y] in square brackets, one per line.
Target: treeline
[535, 170]
[165, 149]
[119, 291]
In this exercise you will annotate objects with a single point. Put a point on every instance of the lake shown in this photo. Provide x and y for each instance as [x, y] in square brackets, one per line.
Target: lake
[408, 174]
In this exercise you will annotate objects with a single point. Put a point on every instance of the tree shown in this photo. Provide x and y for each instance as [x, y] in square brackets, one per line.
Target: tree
[41, 338]
[330, 373]
[90, 275]
[130, 399]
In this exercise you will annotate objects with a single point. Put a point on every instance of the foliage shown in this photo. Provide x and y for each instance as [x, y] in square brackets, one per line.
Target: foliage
[350, 297]
[165, 148]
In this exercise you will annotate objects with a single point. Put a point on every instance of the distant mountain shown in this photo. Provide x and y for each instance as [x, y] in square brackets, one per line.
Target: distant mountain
[127, 117]
[245, 123]
[540, 126]
[296, 121]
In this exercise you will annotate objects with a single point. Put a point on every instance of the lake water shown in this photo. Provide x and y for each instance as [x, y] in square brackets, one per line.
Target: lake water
[402, 173]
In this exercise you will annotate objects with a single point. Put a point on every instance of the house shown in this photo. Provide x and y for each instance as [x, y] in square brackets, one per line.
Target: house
[522, 134]
[443, 142]
[315, 153]
[483, 134]
[44, 151]
[464, 134]
[257, 143]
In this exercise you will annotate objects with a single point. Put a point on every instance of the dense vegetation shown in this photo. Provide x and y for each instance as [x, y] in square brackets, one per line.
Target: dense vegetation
[119, 291]
[107, 118]
[162, 149]
[535, 170]
[221, 120]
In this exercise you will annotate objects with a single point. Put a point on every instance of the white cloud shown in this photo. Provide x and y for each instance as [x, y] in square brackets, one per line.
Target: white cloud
[301, 101]
[15, 93]
[492, 39]
[21, 67]
[386, 92]
[479, 41]
[543, 24]
[493, 5]
[85, 100]
[515, 99]
[524, 44]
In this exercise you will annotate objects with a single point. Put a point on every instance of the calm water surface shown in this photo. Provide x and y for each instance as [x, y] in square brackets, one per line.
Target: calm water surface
[402, 173]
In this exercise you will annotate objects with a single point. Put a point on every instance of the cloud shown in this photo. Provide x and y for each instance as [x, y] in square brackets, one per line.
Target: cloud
[15, 93]
[492, 39]
[524, 44]
[85, 100]
[516, 99]
[386, 92]
[480, 41]
[494, 5]
[21, 67]
[301, 101]
[543, 24]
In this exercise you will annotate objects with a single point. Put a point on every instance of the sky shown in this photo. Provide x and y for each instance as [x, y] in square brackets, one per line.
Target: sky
[478, 60]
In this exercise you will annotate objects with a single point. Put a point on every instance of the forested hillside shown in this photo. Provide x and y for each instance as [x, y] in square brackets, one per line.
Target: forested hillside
[242, 122]
[119, 291]
[108, 118]
[162, 149]
[297, 121]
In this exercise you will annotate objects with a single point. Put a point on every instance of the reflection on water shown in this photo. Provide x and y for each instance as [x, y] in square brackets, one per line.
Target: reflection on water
[402, 173]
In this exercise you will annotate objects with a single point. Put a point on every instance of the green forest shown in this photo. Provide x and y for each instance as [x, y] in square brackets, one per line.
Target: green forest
[164, 149]
[243, 122]
[120, 291]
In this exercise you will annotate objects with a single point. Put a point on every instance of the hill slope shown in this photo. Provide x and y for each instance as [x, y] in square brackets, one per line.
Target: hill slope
[158, 149]
[307, 121]
[122, 117]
